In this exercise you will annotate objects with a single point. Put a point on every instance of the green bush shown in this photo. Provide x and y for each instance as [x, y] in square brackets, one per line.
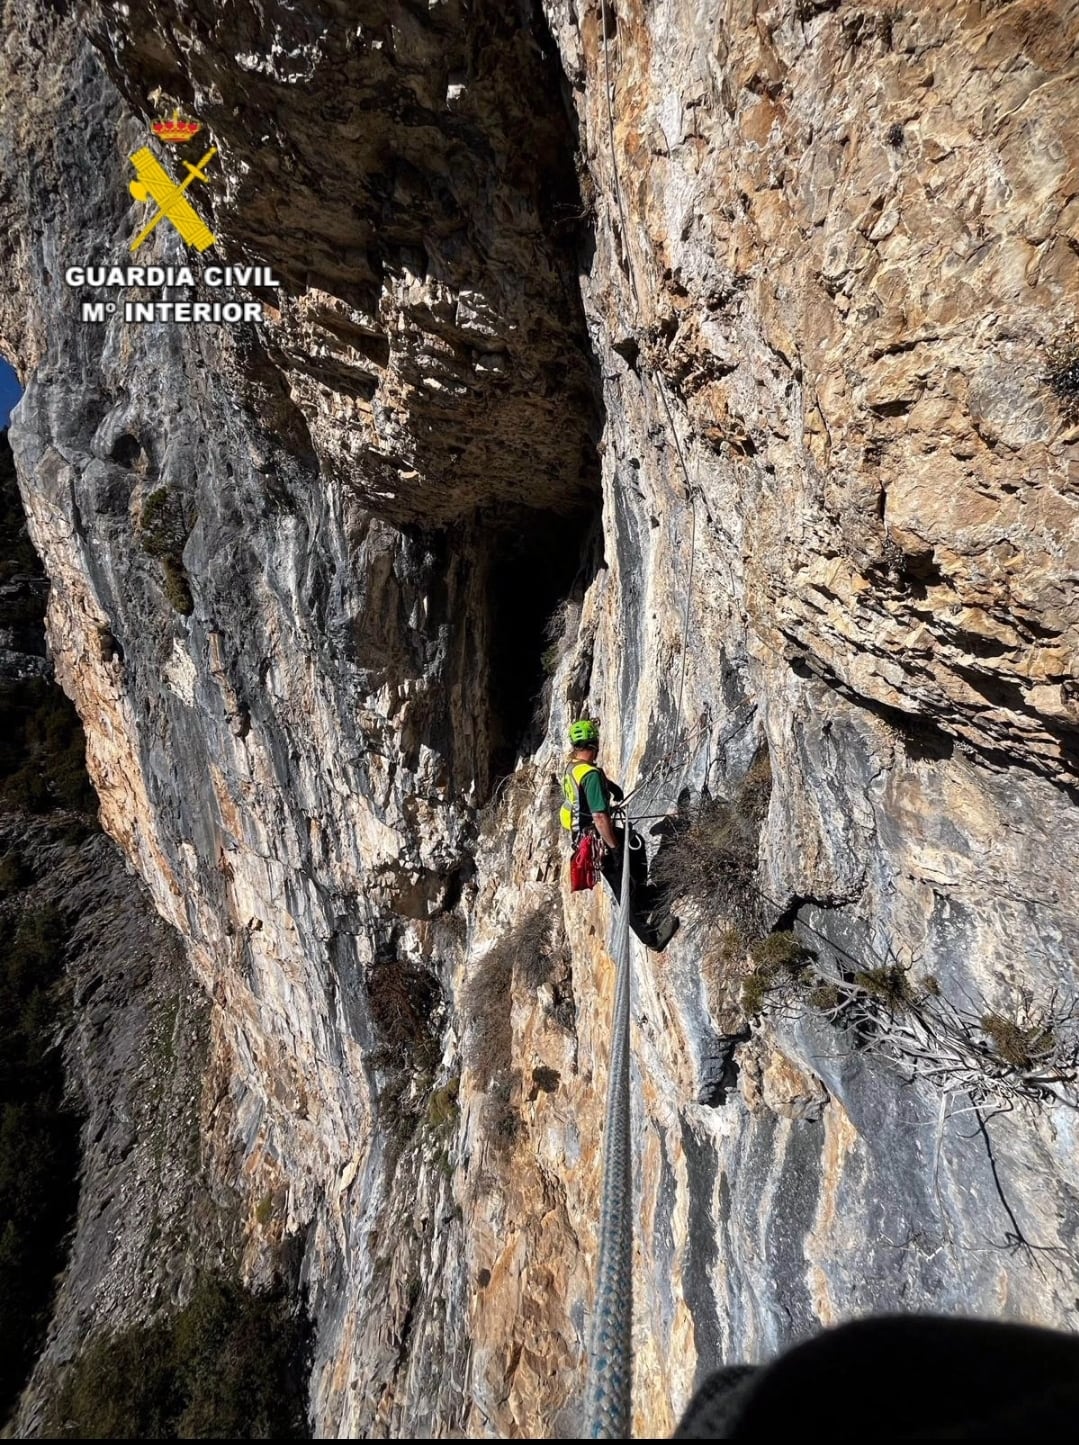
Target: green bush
[229, 1365]
[162, 535]
[177, 587]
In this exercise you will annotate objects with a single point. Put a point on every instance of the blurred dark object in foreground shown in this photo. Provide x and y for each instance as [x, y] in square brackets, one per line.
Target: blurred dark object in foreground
[913, 1377]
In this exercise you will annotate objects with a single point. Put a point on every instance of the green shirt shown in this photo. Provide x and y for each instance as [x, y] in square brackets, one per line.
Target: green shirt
[595, 793]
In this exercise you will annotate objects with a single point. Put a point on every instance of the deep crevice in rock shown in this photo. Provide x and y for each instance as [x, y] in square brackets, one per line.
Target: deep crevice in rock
[539, 561]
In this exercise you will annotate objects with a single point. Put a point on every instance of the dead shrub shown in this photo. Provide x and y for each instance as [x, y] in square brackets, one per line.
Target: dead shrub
[539, 954]
[485, 999]
[755, 789]
[779, 960]
[1022, 1047]
[1063, 374]
[404, 1001]
[711, 860]
[405, 1004]
[536, 954]
[500, 1117]
[722, 971]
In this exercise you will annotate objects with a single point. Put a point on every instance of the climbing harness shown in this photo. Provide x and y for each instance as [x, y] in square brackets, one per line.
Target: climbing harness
[610, 1372]
[618, 813]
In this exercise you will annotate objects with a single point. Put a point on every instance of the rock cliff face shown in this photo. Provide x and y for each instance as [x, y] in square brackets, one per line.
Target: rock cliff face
[723, 335]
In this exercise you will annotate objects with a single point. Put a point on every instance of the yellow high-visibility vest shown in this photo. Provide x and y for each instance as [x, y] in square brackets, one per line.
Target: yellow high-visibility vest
[570, 812]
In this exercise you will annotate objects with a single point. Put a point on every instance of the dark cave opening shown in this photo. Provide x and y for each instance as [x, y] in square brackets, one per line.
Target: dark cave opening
[540, 561]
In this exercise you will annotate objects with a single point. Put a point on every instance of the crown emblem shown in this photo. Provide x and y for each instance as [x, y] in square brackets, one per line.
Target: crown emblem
[175, 131]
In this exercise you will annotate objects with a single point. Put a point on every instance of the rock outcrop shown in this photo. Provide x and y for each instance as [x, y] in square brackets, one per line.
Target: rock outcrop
[724, 338]
[119, 1115]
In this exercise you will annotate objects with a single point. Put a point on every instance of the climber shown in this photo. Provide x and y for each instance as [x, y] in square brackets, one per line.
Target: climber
[586, 814]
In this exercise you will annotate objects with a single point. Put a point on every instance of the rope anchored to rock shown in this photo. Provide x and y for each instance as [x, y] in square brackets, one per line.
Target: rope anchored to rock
[610, 1372]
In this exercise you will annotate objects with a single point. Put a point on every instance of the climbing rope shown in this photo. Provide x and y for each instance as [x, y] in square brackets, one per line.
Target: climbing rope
[610, 1373]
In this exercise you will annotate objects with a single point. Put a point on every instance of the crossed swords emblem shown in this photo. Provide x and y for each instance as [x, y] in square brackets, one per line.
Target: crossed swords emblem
[155, 184]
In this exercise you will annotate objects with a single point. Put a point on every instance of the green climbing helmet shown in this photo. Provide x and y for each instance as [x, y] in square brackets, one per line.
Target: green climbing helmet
[583, 733]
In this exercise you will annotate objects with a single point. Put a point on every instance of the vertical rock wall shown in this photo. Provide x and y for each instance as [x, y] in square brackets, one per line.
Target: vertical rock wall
[836, 247]
[829, 253]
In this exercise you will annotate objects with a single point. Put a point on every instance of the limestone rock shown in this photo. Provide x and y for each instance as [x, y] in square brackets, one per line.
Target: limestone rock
[823, 255]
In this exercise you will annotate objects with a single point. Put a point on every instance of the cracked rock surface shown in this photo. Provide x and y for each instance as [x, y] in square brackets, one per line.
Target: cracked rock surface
[777, 285]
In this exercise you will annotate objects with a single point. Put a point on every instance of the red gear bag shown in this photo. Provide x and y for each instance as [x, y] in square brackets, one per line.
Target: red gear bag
[584, 864]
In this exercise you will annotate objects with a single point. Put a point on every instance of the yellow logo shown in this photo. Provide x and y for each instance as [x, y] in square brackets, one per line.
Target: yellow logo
[155, 184]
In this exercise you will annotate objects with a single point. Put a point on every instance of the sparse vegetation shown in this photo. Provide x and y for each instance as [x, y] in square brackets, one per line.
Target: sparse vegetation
[228, 1365]
[711, 860]
[162, 534]
[404, 1001]
[1022, 1047]
[779, 959]
[890, 983]
[531, 952]
[559, 632]
[405, 1004]
[442, 1107]
[824, 997]
[721, 962]
[485, 1001]
[538, 955]
[1063, 375]
[501, 1117]
[997, 1057]
[885, 1007]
